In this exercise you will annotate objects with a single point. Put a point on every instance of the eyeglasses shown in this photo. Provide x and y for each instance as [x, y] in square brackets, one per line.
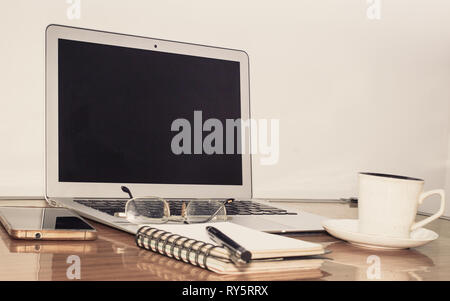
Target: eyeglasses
[155, 210]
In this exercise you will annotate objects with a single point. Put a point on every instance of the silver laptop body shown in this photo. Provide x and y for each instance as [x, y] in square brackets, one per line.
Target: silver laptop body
[111, 105]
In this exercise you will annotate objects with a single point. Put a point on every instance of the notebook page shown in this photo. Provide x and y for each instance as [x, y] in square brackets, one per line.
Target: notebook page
[260, 244]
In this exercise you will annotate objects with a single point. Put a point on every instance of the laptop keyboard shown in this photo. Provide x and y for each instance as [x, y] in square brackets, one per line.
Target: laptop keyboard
[235, 208]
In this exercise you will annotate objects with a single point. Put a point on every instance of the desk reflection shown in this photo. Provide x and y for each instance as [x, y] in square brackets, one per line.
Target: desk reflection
[53, 247]
[378, 264]
[41, 260]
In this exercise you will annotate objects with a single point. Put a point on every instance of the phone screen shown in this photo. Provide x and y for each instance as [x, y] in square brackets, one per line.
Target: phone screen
[43, 219]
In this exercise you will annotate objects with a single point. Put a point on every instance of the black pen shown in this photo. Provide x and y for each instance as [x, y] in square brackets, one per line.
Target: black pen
[238, 251]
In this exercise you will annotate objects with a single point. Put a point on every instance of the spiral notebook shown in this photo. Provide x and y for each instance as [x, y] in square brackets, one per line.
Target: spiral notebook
[191, 244]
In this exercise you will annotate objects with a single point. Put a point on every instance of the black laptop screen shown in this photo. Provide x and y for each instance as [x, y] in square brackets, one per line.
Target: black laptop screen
[116, 107]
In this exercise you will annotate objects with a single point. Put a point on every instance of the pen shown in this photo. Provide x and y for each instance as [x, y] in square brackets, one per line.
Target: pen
[237, 250]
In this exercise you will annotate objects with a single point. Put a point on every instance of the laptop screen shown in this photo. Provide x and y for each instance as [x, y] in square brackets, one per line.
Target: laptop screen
[129, 115]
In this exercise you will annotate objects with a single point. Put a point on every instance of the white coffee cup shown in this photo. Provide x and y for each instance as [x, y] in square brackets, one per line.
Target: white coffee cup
[387, 204]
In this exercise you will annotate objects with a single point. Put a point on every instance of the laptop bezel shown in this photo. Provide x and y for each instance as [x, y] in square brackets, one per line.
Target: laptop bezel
[56, 189]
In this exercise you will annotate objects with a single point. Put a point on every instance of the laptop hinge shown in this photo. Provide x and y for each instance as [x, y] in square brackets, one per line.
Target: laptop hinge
[54, 203]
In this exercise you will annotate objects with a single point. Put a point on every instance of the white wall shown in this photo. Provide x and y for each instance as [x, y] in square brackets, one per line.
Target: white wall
[351, 93]
[447, 179]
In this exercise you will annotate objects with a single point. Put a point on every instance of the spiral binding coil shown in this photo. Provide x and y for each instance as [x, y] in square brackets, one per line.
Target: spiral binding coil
[147, 235]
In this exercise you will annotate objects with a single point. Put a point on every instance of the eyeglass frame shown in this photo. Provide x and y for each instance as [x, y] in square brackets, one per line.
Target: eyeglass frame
[183, 210]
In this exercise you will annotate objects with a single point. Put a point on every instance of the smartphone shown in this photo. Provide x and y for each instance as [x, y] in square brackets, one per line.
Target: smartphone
[45, 224]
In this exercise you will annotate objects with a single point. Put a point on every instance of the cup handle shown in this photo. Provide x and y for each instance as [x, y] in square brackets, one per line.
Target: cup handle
[438, 214]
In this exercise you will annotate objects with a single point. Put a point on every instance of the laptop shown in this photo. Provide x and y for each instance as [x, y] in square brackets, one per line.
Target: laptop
[132, 111]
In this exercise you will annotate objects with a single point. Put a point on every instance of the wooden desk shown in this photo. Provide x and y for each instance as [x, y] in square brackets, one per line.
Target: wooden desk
[114, 256]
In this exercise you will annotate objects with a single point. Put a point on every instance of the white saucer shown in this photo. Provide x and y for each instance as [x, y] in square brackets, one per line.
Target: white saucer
[347, 229]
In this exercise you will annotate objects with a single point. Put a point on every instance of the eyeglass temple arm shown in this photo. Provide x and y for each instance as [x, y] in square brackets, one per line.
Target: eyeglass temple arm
[126, 190]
